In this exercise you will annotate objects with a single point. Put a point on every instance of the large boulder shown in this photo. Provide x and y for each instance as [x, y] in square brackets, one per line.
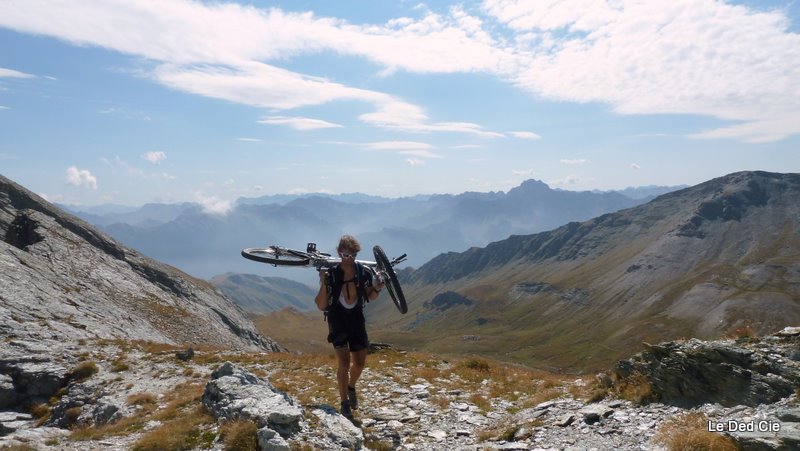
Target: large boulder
[234, 393]
[693, 372]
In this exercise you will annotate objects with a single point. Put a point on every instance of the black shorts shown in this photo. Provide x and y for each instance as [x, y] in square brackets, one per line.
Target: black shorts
[347, 328]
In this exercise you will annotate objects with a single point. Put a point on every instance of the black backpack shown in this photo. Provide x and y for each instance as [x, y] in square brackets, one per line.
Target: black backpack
[362, 278]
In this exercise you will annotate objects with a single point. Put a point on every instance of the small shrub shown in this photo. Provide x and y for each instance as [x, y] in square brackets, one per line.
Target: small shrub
[71, 415]
[141, 399]
[597, 395]
[83, 371]
[378, 445]
[635, 388]
[18, 447]
[477, 364]
[743, 331]
[239, 436]
[689, 431]
[480, 401]
[39, 410]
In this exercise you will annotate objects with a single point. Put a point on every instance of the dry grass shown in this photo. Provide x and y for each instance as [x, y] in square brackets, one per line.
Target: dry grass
[182, 398]
[180, 432]
[83, 371]
[142, 399]
[120, 364]
[744, 330]
[636, 388]
[18, 447]
[240, 436]
[689, 432]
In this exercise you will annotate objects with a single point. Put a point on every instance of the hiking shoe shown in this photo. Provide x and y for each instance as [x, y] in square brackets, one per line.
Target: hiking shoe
[351, 396]
[345, 410]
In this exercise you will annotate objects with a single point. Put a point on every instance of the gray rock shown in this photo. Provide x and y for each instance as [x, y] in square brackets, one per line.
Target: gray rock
[339, 429]
[387, 415]
[691, 373]
[105, 412]
[30, 381]
[791, 415]
[235, 393]
[566, 420]
[269, 440]
[786, 439]
[64, 279]
[8, 393]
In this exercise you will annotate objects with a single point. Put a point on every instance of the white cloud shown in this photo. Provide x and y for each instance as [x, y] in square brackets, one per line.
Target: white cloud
[680, 57]
[214, 205]
[155, 157]
[524, 172]
[11, 73]
[220, 50]
[415, 162]
[574, 161]
[397, 145]
[703, 57]
[398, 115]
[635, 166]
[299, 123]
[81, 177]
[251, 140]
[572, 180]
[411, 148]
[467, 146]
[2, 107]
[524, 135]
[420, 153]
[125, 113]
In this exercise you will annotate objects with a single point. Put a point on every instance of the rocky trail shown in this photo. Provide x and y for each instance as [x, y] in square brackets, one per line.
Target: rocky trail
[141, 395]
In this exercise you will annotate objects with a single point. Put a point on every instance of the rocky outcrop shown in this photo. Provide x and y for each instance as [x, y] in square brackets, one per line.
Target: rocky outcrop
[446, 300]
[234, 393]
[62, 279]
[730, 373]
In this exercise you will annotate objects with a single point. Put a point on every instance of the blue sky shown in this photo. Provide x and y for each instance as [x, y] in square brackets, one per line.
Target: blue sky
[135, 101]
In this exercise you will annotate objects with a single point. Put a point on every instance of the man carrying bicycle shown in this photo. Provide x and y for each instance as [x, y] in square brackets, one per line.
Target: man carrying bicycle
[343, 291]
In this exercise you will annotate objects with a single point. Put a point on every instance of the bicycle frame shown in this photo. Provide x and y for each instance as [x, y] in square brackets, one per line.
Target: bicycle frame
[383, 268]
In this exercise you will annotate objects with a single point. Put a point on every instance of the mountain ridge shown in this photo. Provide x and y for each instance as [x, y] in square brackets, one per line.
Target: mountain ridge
[206, 245]
[697, 262]
[69, 277]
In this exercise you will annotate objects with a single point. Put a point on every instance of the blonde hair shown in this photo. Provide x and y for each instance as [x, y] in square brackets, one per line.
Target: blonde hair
[348, 242]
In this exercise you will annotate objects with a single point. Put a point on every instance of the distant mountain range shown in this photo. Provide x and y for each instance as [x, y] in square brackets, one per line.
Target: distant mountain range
[256, 294]
[705, 261]
[205, 244]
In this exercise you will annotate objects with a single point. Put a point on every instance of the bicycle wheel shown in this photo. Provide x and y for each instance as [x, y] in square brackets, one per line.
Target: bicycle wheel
[275, 255]
[392, 284]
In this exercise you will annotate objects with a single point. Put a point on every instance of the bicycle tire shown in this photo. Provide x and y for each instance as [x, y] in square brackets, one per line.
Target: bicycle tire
[275, 256]
[393, 285]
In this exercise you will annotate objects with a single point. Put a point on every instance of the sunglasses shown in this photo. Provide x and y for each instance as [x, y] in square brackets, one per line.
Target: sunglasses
[346, 255]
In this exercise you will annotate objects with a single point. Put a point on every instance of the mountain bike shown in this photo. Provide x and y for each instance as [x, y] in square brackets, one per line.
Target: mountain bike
[382, 267]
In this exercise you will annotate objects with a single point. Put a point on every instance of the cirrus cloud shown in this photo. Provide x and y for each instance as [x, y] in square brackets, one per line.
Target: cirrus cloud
[299, 123]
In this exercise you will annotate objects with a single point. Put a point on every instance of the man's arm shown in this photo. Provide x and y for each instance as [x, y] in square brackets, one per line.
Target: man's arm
[322, 296]
[375, 288]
